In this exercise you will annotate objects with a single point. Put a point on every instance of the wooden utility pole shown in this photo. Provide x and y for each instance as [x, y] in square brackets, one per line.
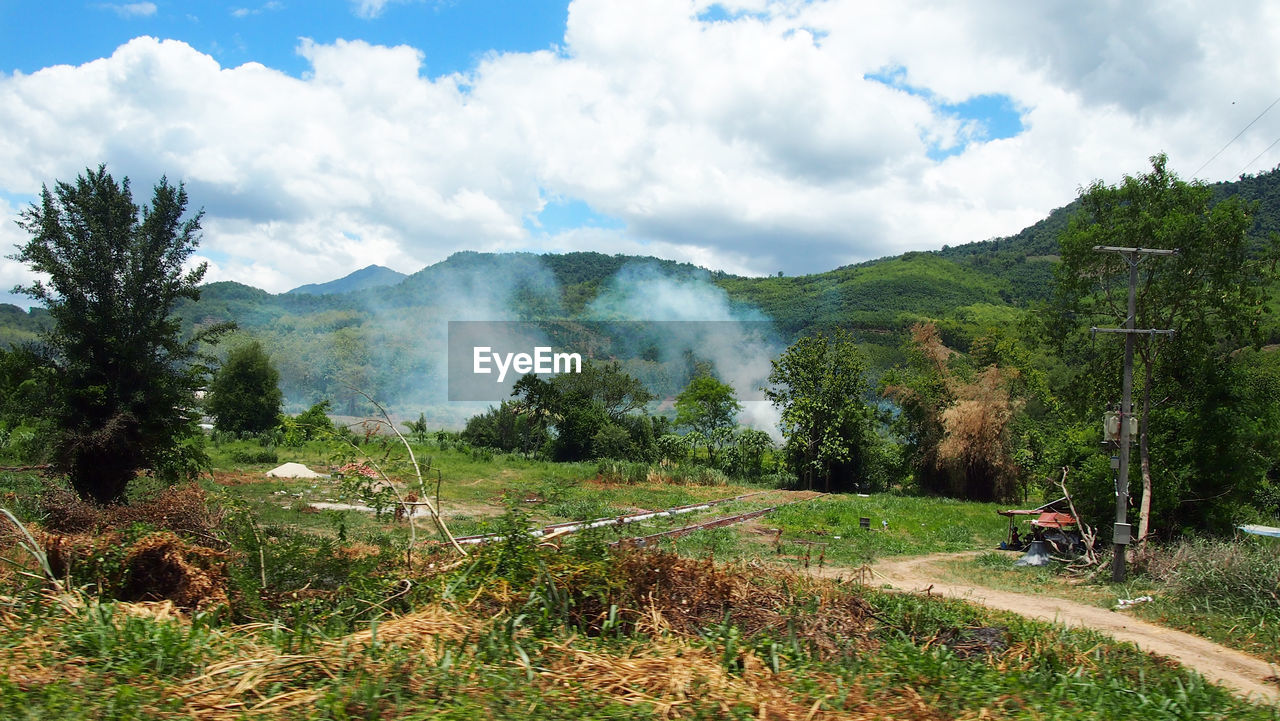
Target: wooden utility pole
[1120, 532]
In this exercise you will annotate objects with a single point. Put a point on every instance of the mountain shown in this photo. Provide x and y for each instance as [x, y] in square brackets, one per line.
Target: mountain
[386, 339]
[373, 276]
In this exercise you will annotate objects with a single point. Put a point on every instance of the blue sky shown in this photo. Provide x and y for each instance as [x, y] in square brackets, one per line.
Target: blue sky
[453, 34]
[748, 135]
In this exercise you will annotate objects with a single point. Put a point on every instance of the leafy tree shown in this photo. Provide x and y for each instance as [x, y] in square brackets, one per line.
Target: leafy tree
[505, 429]
[819, 384]
[747, 452]
[613, 441]
[245, 396]
[709, 407]
[1213, 294]
[579, 405]
[125, 377]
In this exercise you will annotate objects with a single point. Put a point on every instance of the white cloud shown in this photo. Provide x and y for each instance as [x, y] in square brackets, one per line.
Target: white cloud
[752, 144]
[369, 9]
[265, 7]
[133, 10]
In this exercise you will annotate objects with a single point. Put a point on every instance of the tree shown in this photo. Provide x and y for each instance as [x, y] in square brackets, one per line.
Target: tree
[126, 378]
[1213, 294]
[819, 384]
[708, 407]
[579, 405]
[957, 422]
[245, 396]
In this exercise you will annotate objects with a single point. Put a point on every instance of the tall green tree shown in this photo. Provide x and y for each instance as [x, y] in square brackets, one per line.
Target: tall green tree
[1213, 293]
[819, 384]
[245, 396]
[709, 407]
[126, 378]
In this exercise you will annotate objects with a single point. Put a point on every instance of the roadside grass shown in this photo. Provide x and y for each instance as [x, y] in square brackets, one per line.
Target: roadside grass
[1225, 591]
[308, 552]
[519, 632]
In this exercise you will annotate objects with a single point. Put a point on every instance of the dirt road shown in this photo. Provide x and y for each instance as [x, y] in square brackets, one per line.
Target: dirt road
[1222, 665]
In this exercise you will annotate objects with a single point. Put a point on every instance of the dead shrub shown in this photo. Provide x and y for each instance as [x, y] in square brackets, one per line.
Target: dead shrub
[159, 566]
[162, 567]
[181, 509]
[691, 595]
[65, 512]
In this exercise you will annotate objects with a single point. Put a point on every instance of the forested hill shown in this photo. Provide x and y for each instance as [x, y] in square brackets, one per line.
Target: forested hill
[366, 334]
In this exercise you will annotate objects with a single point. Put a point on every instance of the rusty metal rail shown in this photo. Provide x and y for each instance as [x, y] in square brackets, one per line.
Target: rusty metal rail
[642, 541]
[560, 529]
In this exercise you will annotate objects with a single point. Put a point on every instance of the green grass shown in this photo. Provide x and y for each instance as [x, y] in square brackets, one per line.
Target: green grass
[317, 592]
[910, 662]
[830, 526]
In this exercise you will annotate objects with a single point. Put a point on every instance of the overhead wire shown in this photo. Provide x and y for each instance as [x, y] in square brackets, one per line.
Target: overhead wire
[1237, 137]
[1259, 155]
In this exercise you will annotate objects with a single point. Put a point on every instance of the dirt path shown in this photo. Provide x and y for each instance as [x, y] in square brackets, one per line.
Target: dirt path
[1222, 665]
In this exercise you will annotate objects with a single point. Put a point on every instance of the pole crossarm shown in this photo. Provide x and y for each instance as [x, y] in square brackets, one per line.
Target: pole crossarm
[1120, 531]
[1138, 251]
[1134, 331]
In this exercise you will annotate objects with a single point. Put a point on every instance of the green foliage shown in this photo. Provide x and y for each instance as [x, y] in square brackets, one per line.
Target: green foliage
[25, 388]
[506, 429]
[819, 384]
[244, 396]
[612, 441]
[709, 407]
[125, 377]
[1204, 439]
[745, 456]
[311, 424]
[602, 403]
[130, 645]
[672, 447]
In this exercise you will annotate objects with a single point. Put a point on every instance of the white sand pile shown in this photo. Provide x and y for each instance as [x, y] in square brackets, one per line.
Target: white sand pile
[293, 470]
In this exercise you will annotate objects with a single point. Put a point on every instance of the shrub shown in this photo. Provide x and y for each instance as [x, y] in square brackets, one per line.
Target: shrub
[254, 455]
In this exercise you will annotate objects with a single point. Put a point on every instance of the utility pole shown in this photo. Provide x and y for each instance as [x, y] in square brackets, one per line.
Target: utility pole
[1120, 532]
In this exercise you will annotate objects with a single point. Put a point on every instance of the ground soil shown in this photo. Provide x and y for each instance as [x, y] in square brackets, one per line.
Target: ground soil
[1233, 669]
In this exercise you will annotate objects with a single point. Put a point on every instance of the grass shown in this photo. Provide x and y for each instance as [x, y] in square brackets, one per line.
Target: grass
[516, 646]
[323, 611]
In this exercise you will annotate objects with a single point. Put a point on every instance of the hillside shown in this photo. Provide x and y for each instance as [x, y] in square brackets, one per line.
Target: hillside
[389, 339]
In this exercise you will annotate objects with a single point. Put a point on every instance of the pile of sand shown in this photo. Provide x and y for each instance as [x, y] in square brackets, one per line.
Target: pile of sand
[293, 470]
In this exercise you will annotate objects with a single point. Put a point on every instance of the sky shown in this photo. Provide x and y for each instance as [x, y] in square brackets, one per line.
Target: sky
[751, 136]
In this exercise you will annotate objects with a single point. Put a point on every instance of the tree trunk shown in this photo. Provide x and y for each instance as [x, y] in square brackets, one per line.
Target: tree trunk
[1144, 451]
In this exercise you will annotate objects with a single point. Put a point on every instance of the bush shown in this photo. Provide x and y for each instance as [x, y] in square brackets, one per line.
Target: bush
[1242, 574]
[254, 455]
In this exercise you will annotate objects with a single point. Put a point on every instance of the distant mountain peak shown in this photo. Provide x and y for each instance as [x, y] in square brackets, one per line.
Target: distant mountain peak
[372, 276]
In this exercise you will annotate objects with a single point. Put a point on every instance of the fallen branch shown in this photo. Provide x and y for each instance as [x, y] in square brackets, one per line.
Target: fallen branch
[33, 548]
[433, 509]
[1087, 532]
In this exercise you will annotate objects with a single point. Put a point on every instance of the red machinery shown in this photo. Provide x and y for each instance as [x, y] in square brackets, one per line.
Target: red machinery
[1050, 523]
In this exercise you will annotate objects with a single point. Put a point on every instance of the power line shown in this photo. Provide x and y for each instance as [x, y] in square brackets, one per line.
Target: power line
[1237, 137]
[1251, 162]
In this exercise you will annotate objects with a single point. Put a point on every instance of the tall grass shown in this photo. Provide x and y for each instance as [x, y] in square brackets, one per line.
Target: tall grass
[1226, 590]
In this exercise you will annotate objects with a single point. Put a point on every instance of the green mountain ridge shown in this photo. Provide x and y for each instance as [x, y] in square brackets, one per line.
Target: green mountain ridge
[380, 338]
